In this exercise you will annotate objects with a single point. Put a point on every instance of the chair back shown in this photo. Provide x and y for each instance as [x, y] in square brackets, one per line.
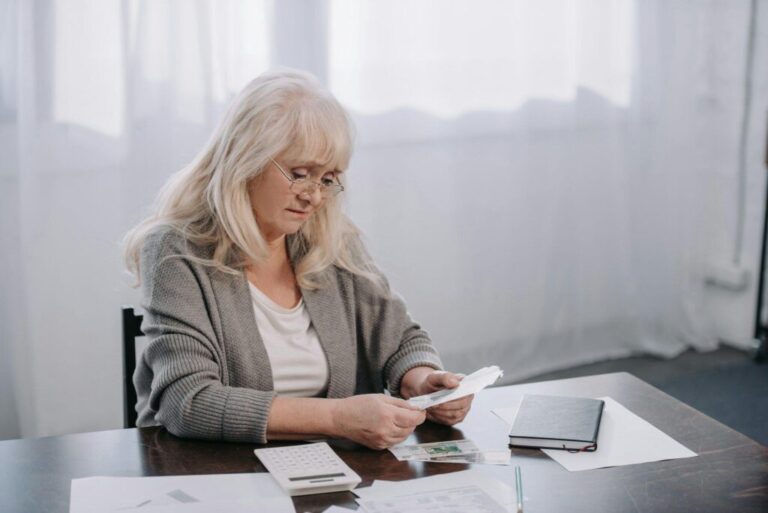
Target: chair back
[131, 330]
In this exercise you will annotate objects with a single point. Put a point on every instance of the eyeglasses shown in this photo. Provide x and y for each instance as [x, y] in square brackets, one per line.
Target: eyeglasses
[328, 186]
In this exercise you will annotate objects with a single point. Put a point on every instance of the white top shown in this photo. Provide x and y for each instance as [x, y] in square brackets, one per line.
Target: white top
[299, 365]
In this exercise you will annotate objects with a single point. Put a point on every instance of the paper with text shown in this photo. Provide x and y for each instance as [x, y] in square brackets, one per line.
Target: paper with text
[467, 499]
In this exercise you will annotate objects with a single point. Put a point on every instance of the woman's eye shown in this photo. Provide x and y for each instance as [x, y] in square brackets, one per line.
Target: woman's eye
[299, 173]
[328, 180]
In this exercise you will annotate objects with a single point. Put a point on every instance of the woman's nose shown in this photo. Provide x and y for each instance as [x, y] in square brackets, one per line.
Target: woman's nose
[313, 195]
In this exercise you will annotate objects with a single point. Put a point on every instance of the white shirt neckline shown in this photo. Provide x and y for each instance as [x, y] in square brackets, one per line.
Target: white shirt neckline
[269, 302]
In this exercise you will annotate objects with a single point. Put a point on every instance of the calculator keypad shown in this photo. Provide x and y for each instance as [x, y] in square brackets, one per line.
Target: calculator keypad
[303, 467]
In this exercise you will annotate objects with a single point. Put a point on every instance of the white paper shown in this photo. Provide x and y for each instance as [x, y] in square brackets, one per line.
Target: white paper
[338, 509]
[467, 499]
[471, 384]
[500, 492]
[373, 490]
[267, 506]
[223, 493]
[623, 439]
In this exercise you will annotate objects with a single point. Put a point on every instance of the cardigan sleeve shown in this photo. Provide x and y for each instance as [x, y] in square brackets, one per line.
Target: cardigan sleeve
[180, 375]
[389, 332]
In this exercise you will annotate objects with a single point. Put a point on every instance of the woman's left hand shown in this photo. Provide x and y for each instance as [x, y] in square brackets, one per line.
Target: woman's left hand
[449, 413]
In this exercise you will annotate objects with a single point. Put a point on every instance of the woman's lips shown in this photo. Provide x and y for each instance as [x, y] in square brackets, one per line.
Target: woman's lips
[298, 213]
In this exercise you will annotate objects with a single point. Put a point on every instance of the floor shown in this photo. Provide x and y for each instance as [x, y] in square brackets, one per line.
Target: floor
[726, 384]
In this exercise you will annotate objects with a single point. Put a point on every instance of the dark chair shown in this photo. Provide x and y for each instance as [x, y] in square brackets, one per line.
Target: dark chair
[131, 330]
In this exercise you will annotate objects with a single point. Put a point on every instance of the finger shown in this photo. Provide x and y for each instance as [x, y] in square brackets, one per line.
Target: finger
[449, 413]
[443, 379]
[400, 403]
[440, 419]
[448, 419]
[396, 435]
[409, 418]
[400, 434]
[400, 439]
[451, 407]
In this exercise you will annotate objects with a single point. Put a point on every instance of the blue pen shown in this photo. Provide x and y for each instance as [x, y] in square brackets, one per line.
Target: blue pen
[519, 487]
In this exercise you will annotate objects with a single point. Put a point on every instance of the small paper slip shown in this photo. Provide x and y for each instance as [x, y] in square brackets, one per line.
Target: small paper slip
[624, 439]
[223, 493]
[471, 384]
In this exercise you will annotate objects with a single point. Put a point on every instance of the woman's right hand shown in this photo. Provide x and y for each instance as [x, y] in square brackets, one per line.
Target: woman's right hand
[377, 421]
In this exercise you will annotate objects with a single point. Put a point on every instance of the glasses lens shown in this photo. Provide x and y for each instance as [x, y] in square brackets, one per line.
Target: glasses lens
[304, 186]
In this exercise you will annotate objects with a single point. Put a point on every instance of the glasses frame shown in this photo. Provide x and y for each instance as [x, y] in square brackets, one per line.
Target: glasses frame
[326, 191]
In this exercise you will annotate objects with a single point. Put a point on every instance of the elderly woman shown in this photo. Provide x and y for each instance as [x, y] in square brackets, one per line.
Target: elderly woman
[266, 317]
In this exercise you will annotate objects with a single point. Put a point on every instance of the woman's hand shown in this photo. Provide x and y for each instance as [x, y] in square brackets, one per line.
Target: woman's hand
[375, 420]
[425, 380]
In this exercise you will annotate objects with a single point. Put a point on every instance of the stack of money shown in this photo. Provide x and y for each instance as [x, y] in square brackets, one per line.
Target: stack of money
[454, 451]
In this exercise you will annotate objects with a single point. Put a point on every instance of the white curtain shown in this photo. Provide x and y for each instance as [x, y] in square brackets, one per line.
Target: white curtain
[545, 182]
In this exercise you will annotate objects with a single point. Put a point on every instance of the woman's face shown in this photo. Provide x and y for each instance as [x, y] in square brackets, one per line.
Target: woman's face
[280, 209]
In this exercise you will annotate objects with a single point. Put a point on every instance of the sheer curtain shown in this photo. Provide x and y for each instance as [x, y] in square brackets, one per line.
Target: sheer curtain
[544, 182]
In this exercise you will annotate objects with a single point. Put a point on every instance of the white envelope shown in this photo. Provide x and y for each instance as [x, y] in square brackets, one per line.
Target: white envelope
[471, 384]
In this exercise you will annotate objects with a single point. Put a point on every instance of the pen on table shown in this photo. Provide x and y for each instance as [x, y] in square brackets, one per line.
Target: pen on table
[519, 488]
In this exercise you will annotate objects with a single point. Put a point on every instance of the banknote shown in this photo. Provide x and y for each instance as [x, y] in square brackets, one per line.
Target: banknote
[433, 450]
[485, 457]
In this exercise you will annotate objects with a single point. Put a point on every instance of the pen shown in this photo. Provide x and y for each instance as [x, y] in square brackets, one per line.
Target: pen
[519, 487]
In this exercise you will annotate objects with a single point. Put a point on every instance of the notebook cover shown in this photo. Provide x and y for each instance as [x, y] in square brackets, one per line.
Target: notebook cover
[545, 417]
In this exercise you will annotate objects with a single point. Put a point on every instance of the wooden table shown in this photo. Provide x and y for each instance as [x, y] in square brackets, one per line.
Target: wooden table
[730, 473]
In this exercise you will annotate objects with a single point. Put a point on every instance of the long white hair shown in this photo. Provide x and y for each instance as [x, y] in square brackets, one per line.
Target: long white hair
[282, 112]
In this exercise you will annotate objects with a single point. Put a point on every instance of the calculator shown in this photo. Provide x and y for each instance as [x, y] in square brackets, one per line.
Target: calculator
[308, 469]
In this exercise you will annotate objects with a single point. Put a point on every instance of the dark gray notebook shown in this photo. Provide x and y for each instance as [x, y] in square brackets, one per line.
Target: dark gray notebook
[556, 422]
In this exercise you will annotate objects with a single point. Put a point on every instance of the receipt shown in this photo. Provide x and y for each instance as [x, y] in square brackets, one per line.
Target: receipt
[471, 384]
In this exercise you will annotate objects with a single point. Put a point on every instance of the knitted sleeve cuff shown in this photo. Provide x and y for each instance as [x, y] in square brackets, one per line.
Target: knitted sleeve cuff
[245, 415]
[416, 353]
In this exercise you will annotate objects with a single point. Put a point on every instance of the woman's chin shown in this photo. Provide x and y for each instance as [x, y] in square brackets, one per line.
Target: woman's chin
[293, 228]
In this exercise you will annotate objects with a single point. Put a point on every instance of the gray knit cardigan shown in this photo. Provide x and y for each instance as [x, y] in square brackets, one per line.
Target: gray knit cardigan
[206, 372]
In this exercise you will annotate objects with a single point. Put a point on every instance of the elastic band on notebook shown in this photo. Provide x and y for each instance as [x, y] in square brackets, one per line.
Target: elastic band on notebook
[586, 448]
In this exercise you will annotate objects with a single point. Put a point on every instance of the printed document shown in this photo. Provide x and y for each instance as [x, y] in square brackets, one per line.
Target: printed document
[442, 485]
[466, 499]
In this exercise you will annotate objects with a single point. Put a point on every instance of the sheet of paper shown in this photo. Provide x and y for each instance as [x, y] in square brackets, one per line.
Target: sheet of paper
[268, 505]
[467, 499]
[434, 449]
[623, 439]
[471, 384]
[223, 493]
[338, 509]
[500, 492]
